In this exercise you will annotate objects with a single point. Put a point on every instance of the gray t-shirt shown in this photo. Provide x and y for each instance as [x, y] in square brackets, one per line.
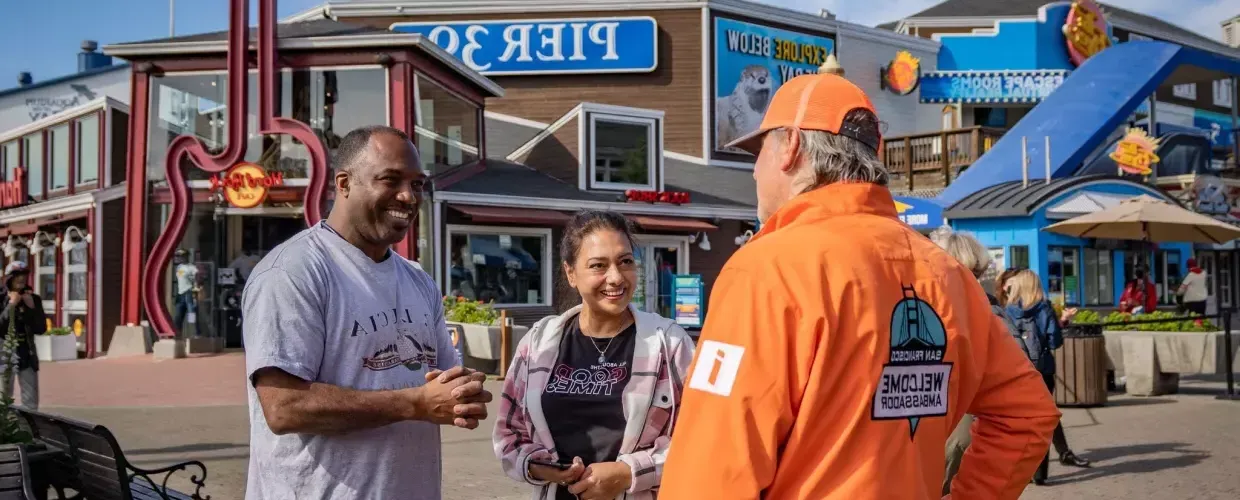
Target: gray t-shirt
[318, 308]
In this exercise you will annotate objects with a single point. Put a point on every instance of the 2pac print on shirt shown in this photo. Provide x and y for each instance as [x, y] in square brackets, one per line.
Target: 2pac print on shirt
[914, 382]
[599, 379]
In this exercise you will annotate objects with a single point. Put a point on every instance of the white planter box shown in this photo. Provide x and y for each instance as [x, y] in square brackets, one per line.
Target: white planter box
[55, 347]
[480, 345]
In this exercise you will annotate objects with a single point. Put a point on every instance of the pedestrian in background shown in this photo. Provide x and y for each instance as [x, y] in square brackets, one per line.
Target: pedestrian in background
[973, 256]
[841, 347]
[590, 399]
[23, 311]
[1193, 291]
[1039, 327]
[349, 363]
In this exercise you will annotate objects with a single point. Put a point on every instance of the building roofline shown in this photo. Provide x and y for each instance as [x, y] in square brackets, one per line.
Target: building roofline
[781, 15]
[321, 42]
[62, 79]
[1132, 25]
[79, 110]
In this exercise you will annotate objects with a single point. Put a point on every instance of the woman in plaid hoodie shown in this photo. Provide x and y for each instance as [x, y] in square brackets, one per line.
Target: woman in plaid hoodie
[590, 399]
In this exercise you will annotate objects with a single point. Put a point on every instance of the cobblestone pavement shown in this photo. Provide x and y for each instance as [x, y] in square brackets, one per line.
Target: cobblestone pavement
[1182, 446]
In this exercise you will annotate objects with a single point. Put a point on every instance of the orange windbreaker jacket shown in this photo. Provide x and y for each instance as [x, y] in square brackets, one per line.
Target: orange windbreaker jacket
[840, 349]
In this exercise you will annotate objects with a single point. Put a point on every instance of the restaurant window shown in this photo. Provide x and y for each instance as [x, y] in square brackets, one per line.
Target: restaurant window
[623, 148]
[332, 102]
[510, 266]
[1167, 275]
[32, 159]
[9, 154]
[87, 157]
[45, 275]
[446, 127]
[58, 156]
[75, 276]
[1063, 275]
[1099, 277]
[1020, 257]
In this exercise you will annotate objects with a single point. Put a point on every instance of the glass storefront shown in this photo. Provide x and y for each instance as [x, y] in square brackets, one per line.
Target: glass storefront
[506, 265]
[221, 242]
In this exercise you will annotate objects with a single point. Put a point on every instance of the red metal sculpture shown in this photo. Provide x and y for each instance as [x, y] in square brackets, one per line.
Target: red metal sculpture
[154, 286]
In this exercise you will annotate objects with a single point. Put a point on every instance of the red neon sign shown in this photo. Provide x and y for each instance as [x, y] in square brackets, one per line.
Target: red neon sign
[673, 197]
[13, 193]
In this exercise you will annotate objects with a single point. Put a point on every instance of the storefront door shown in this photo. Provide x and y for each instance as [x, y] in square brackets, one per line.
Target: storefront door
[243, 238]
[659, 258]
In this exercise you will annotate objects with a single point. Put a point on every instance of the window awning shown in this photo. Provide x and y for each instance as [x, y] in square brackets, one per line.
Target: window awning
[671, 223]
[512, 215]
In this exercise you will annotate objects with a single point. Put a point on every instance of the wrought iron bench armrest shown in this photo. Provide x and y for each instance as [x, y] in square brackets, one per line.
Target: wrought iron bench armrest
[162, 487]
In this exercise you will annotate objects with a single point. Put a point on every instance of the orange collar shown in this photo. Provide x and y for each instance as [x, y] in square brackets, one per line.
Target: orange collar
[841, 198]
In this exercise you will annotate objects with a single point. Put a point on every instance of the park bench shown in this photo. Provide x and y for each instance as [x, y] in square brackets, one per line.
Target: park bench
[14, 474]
[85, 458]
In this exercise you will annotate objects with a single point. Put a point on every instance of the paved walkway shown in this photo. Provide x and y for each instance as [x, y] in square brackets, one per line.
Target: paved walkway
[1181, 446]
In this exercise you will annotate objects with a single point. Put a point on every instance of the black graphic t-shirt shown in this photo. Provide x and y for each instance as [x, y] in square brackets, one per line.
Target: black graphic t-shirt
[582, 399]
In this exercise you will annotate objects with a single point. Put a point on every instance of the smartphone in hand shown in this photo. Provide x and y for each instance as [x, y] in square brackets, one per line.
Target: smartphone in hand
[556, 465]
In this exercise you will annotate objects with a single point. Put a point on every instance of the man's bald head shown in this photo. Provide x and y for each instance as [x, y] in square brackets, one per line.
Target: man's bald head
[352, 150]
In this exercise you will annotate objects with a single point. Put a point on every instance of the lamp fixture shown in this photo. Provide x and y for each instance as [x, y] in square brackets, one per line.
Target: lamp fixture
[702, 241]
[68, 244]
[744, 238]
[37, 244]
[13, 244]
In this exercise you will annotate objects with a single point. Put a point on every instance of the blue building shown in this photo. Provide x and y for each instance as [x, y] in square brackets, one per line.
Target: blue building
[1008, 218]
[1063, 91]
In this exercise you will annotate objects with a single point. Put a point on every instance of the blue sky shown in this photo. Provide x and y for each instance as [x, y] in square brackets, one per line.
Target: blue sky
[43, 36]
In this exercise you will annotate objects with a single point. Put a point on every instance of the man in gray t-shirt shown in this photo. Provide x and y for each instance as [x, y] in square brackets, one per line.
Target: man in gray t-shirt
[351, 366]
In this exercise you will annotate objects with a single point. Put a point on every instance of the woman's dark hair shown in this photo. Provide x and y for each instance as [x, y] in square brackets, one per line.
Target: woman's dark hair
[585, 223]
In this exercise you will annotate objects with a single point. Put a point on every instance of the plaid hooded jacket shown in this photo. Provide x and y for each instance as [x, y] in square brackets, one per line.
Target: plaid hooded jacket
[661, 357]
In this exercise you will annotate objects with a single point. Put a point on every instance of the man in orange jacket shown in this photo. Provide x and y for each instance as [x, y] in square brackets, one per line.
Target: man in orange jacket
[841, 347]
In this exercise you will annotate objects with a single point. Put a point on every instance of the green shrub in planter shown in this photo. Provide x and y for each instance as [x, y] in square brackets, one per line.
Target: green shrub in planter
[60, 330]
[462, 310]
[1182, 325]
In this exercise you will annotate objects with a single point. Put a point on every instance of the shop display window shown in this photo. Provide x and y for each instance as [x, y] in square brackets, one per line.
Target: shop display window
[45, 277]
[75, 274]
[32, 156]
[510, 266]
[1099, 277]
[88, 144]
[446, 128]
[1063, 275]
[1167, 274]
[1020, 256]
[9, 154]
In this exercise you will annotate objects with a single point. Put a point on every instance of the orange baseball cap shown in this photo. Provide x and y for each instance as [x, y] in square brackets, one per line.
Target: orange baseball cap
[818, 101]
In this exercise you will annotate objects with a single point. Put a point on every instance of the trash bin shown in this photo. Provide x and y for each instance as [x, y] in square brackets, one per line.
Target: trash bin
[1081, 367]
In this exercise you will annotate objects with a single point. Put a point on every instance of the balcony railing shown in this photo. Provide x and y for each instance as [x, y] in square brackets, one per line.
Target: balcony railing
[930, 161]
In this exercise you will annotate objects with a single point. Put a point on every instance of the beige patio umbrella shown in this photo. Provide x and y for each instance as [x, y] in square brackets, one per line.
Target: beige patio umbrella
[1146, 218]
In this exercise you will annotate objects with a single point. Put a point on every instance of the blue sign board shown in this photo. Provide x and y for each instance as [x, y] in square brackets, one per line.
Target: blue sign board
[990, 86]
[548, 46]
[1216, 126]
[751, 62]
[919, 213]
[687, 300]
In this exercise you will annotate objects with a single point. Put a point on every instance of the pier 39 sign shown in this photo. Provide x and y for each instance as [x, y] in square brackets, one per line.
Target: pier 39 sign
[547, 46]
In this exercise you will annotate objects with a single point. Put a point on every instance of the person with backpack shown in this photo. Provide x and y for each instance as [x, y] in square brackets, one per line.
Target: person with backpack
[974, 257]
[1038, 327]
